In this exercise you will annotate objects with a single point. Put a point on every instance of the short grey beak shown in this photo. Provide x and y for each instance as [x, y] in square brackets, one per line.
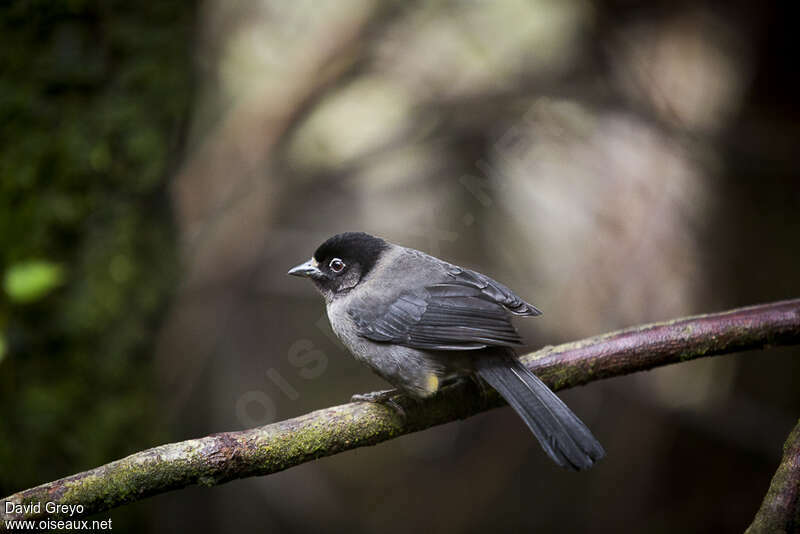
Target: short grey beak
[308, 269]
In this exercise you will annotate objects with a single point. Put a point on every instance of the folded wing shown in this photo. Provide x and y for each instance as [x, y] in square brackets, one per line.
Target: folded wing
[468, 311]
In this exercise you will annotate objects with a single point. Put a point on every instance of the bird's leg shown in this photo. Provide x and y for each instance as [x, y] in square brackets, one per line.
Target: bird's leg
[480, 385]
[385, 397]
[483, 387]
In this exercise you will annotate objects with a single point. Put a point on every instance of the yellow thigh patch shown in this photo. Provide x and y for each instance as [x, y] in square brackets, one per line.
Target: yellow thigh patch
[432, 383]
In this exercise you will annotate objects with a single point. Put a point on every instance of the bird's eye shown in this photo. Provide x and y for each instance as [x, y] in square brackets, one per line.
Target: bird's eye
[336, 265]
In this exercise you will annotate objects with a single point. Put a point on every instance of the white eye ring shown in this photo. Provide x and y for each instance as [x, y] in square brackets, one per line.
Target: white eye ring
[336, 265]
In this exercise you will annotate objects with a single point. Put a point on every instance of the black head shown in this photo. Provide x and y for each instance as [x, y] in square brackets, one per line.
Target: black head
[342, 261]
[352, 248]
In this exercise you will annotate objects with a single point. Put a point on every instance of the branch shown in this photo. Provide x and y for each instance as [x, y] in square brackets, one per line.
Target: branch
[268, 449]
[780, 511]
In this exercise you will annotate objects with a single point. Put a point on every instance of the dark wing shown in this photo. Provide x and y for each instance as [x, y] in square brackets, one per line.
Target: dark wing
[469, 311]
[495, 290]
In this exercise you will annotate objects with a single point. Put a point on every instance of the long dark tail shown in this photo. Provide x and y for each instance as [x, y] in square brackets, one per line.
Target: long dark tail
[563, 436]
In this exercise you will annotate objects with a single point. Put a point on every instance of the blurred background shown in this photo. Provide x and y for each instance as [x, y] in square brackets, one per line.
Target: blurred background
[163, 164]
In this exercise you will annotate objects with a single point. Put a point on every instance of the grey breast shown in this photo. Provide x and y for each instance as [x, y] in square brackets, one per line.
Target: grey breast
[401, 269]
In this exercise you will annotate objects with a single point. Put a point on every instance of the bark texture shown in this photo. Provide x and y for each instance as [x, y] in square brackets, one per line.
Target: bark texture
[268, 449]
[780, 511]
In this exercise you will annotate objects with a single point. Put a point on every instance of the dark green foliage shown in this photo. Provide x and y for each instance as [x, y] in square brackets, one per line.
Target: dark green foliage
[92, 98]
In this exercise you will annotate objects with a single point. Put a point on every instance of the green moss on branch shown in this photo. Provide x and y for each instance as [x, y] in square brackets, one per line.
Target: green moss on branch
[260, 451]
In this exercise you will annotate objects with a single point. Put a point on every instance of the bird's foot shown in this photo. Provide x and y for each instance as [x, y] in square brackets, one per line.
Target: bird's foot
[474, 380]
[385, 397]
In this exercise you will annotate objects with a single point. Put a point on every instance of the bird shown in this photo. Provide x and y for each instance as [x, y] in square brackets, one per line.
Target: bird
[420, 322]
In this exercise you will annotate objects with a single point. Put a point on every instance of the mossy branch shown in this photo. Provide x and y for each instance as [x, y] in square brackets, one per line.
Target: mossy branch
[780, 511]
[268, 449]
